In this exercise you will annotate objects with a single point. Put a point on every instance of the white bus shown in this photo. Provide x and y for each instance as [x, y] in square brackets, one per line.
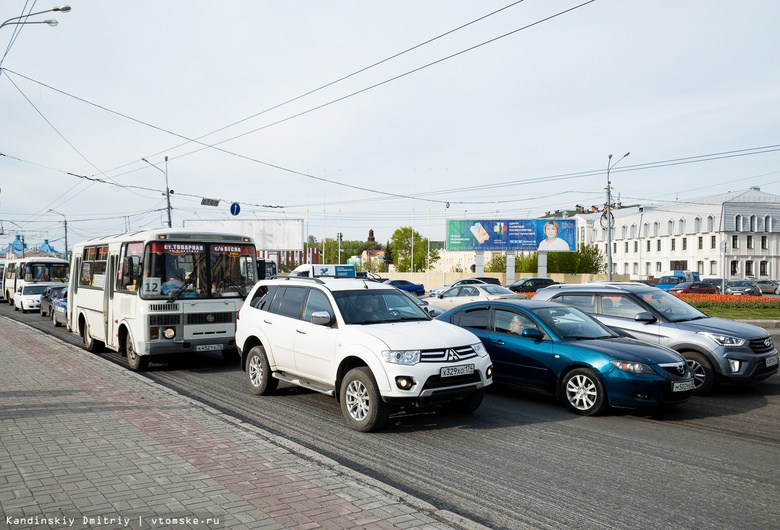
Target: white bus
[21, 271]
[160, 291]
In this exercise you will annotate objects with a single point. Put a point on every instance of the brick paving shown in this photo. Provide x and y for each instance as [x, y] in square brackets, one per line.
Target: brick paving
[89, 444]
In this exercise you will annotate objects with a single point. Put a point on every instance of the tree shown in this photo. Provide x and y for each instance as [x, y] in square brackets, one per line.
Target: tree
[496, 264]
[587, 260]
[411, 250]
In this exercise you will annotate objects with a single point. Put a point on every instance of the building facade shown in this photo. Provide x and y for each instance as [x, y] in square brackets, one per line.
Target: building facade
[734, 235]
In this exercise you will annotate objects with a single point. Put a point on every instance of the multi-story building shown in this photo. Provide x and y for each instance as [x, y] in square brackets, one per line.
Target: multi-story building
[733, 235]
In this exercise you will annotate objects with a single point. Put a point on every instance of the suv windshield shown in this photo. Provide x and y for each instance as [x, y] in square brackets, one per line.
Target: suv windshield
[671, 307]
[376, 306]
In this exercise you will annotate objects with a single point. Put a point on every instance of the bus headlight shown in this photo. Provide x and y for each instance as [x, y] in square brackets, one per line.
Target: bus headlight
[169, 333]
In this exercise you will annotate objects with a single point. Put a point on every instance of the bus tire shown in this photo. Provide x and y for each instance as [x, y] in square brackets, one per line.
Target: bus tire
[137, 363]
[90, 344]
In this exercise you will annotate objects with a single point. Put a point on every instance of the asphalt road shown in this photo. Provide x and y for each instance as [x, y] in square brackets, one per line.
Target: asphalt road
[523, 461]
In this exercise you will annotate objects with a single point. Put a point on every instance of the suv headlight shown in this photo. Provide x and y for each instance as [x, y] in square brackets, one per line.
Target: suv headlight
[479, 349]
[634, 368]
[408, 357]
[723, 340]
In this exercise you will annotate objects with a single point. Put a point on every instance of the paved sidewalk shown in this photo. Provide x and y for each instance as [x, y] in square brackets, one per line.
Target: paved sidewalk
[89, 444]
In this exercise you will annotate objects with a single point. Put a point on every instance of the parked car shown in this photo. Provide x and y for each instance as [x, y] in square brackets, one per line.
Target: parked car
[366, 343]
[531, 285]
[28, 297]
[717, 282]
[405, 285]
[48, 295]
[768, 286]
[718, 350]
[59, 309]
[489, 279]
[743, 287]
[432, 310]
[693, 288]
[464, 294]
[558, 350]
[463, 281]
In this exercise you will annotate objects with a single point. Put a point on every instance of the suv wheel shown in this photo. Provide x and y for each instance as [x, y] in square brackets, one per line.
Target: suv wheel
[361, 403]
[258, 372]
[703, 373]
[583, 392]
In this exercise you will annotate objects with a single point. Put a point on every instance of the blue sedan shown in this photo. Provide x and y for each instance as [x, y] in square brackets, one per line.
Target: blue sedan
[558, 350]
[406, 285]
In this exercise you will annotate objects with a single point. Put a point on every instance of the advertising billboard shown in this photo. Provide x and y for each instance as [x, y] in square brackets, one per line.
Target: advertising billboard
[269, 234]
[529, 235]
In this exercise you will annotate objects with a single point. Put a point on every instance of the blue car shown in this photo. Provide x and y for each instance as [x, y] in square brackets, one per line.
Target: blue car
[405, 285]
[559, 350]
[59, 308]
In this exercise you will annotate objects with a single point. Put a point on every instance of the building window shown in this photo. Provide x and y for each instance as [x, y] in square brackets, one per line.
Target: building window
[748, 268]
[697, 225]
[658, 266]
[685, 243]
[701, 243]
[636, 268]
[762, 268]
[750, 242]
[753, 227]
[658, 245]
[636, 246]
[625, 268]
[713, 267]
[648, 268]
[737, 223]
[714, 242]
[614, 248]
[735, 242]
[734, 267]
[674, 243]
[626, 248]
[700, 267]
[648, 245]
[764, 243]
[767, 224]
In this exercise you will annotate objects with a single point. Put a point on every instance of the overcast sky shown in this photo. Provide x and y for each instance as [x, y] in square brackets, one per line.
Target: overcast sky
[255, 102]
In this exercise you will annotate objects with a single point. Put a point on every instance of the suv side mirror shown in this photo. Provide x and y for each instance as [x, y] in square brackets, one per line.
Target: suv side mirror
[645, 316]
[320, 318]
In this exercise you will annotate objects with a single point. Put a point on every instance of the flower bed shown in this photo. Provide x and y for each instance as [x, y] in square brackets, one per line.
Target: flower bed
[704, 301]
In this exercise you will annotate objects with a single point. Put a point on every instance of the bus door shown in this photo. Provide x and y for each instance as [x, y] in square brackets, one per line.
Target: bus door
[109, 322]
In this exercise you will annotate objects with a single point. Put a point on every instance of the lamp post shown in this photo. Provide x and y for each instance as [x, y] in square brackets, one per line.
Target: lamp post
[50, 22]
[608, 214]
[167, 190]
[65, 224]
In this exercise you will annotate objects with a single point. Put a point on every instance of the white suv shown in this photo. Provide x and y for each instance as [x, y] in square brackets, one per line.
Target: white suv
[364, 342]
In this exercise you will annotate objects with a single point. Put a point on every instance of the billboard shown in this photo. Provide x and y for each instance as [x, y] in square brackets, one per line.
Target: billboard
[269, 234]
[529, 235]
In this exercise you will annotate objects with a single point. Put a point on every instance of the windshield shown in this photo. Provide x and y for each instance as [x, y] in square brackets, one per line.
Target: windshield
[377, 306]
[571, 323]
[33, 289]
[496, 289]
[740, 283]
[45, 272]
[197, 270]
[671, 307]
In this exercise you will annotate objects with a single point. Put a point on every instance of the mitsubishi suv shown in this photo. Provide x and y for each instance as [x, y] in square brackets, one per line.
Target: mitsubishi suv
[363, 342]
[718, 350]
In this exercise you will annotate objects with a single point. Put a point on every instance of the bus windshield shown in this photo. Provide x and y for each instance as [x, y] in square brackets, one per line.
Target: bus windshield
[197, 270]
[45, 272]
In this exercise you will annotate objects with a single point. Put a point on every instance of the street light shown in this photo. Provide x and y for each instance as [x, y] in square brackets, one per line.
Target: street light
[167, 191]
[50, 22]
[65, 224]
[608, 214]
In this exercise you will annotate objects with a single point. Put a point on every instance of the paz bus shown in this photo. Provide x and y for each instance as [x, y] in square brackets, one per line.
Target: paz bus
[160, 291]
[22, 271]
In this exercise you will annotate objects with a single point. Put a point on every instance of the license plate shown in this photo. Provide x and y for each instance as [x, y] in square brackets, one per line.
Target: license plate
[683, 386]
[452, 371]
[771, 361]
[210, 347]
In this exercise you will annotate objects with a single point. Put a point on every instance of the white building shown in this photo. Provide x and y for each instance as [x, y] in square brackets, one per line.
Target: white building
[740, 230]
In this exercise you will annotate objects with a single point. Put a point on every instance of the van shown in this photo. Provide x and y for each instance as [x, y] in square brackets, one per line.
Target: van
[311, 270]
[670, 279]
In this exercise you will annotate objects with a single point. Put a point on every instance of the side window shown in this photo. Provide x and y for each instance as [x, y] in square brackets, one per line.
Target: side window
[473, 318]
[292, 301]
[583, 302]
[316, 301]
[262, 297]
[468, 291]
[511, 322]
[619, 306]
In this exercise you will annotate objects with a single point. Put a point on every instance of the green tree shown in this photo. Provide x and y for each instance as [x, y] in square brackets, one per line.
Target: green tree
[410, 250]
[496, 264]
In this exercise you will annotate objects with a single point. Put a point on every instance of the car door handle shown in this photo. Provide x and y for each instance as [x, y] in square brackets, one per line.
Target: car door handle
[301, 331]
[267, 321]
[498, 342]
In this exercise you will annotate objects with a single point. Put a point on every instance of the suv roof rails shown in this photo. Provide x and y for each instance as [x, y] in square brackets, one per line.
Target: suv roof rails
[317, 280]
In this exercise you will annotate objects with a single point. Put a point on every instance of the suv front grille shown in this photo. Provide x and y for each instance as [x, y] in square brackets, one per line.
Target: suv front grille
[447, 355]
[762, 345]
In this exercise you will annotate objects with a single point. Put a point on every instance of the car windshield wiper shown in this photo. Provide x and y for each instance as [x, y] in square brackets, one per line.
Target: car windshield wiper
[233, 284]
[187, 282]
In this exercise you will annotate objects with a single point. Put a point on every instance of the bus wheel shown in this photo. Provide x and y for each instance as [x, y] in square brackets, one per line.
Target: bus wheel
[90, 344]
[136, 362]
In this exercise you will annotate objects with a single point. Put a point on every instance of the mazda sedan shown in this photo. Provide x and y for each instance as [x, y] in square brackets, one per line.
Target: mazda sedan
[558, 350]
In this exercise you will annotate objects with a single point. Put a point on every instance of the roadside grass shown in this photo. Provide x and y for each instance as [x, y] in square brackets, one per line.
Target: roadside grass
[735, 307]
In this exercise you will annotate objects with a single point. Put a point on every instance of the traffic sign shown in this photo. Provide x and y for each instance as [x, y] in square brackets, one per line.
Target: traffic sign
[235, 208]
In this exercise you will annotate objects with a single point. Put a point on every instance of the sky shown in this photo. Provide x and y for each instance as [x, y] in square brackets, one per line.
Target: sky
[376, 114]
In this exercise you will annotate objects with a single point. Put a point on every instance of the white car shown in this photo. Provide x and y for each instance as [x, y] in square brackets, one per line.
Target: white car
[464, 294]
[365, 343]
[28, 297]
[464, 281]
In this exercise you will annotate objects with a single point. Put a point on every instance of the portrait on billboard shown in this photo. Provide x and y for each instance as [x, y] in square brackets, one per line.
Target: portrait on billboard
[552, 241]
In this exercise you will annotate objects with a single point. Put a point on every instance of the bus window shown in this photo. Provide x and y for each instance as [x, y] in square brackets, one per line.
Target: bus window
[233, 269]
